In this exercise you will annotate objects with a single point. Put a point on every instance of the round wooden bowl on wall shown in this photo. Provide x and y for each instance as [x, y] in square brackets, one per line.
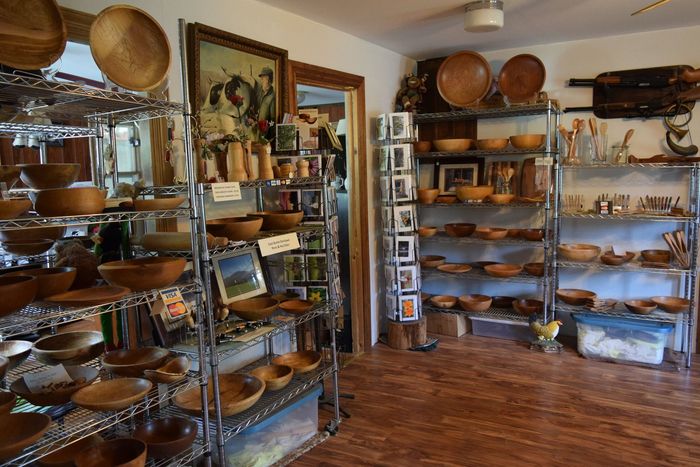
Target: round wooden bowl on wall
[47, 176]
[521, 78]
[79, 201]
[464, 78]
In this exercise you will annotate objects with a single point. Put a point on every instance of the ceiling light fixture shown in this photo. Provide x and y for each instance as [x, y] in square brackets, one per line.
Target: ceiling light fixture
[483, 16]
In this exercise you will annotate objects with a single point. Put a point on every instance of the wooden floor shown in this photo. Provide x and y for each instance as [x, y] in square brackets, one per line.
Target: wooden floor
[478, 401]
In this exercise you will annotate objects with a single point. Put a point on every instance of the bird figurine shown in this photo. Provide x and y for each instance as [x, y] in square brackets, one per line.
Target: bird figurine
[544, 332]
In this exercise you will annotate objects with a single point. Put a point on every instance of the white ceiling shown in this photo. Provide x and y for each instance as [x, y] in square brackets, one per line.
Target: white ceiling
[423, 29]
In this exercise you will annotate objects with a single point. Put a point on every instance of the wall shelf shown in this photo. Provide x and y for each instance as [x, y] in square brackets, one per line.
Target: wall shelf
[523, 110]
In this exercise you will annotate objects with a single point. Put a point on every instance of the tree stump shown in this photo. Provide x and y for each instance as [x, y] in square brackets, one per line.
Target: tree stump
[403, 336]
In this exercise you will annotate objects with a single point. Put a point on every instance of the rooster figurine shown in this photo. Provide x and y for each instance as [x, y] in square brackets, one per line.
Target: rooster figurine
[545, 334]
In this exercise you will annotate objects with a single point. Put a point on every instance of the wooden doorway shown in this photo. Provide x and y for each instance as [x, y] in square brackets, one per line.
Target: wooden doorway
[354, 88]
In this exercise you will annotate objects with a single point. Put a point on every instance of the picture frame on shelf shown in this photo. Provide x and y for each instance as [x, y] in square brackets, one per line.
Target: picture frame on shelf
[239, 275]
[298, 290]
[401, 157]
[294, 268]
[317, 293]
[400, 123]
[316, 267]
[447, 176]
[408, 308]
[404, 218]
[406, 279]
[402, 187]
[405, 248]
[381, 127]
[316, 241]
[312, 203]
[290, 200]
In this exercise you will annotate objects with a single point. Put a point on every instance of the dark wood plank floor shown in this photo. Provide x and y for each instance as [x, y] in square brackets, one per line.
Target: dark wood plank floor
[479, 401]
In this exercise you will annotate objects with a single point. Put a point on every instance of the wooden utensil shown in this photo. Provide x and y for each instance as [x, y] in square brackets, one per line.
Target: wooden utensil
[625, 143]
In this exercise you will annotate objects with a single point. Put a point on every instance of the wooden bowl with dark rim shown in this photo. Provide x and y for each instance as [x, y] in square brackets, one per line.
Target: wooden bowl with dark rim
[69, 348]
[296, 307]
[422, 146]
[122, 452]
[166, 437]
[476, 303]
[301, 362]
[575, 297]
[527, 306]
[532, 235]
[502, 301]
[640, 307]
[459, 229]
[133, 362]
[81, 375]
[276, 377]
[20, 430]
[672, 304]
[656, 256]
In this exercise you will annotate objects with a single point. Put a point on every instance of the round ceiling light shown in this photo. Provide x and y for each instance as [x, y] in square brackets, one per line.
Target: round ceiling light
[483, 16]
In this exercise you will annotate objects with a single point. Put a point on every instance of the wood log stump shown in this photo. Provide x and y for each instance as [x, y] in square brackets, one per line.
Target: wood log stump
[403, 336]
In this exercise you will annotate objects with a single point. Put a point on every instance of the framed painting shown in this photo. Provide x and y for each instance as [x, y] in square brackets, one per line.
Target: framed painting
[448, 176]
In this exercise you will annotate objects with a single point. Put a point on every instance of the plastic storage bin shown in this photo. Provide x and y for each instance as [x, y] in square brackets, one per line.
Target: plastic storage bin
[278, 435]
[501, 328]
[620, 339]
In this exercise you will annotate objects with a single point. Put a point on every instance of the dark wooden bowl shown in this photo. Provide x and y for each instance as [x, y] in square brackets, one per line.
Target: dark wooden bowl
[16, 292]
[482, 264]
[427, 231]
[254, 309]
[112, 394]
[490, 233]
[459, 229]
[296, 307]
[422, 146]
[122, 452]
[279, 220]
[69, 348]
[235, 228]
[616, 260]
[65, 457]
[527, 306]
[7, 402]
[13, 208]
[503, 270]
[29, 248]
[141, 274]
[431, 261]
[446, 199]
[533, 235]
[276, 377]
[81, 376]
[238, 392]
[132, 362]
[51, 281]
[158, 204]
[502, 301]
[656, 256]
[166, 437]
[20, 430]
[48, 176]
[30, 235]
[443, 301]
[15, 351]
[475, 302]
[78, 201]
[576, 297]
[672, 304]
[9, 174]
[171, 372]
[301, 362]
[640, 307]
[534, 269]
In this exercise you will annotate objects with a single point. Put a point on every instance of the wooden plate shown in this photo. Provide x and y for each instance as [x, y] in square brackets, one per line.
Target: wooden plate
[464, 78]
[89, 297]
[521, 78]
[112, 394]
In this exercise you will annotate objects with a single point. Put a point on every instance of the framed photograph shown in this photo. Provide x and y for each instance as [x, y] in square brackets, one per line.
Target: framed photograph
[405, 248]
[294, 269]
[315, 241]
[317, 293]
[285, 137]
[390, 278]
[400, 125]
[290, 200]
[311, 203]
[408, 307]
[403, 187]
[298, 290]
[381, 125]
[403, 218]
[384, 154]
[239, 275]
[406, 279]
[449, 176]
[316, 268]
[237, 82]
[401, 157]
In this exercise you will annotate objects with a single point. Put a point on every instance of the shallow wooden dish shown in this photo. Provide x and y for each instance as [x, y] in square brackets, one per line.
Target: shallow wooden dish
[431, 261]
[476, 303]
[121, 452]
[492, 144]
[301, 362]
[31, 248]
[427, 231]
[296, 307]
[20, 430]
[112, 394]
[89, 297]
[503, 270]
[276, 377]
[158, 204]
[166, 437]
[171, 372]
[578, 252]
[454, 268]
[69, 348]
[82, 376]
[527, 142]
[235, 228]
[130, 47]
[16, 293]
[576, 297]
[527, 306]
[238, 392]
[15, 351]
[7, 402]
[459, 229]
[132, 362]
[28, 235]
[141, 274]
[422, 146]
[534, 269]
[79, 201]
[65, 457]
[532, 235]
[671, 304]
[521, 78]
[500, 198]
[427, 195]
[443, 301]
[616, 260]
[13, 208]
[473, 193]
[502, 301]
[9, 174]
[254, 309]
[453, 144]
[656, 256]
[490, 233]
[51, 281]
[47, 176]
[640, 307]
[278, 220]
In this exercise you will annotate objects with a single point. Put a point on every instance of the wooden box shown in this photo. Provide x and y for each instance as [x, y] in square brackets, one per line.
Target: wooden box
[448, 324]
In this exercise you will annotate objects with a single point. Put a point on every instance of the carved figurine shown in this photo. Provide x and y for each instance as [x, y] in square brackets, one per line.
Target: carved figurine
[411, 93]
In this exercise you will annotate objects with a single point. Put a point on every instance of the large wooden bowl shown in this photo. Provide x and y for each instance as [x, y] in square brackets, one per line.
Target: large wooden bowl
[453, 144]
[170, 372]
[533, 235]
[427, 195]
[301, 362]
[443, 301]
[235, 228]
[82, 376]
[576, 297]
[46, 176]
[13, 208]
[9, 174]
[492, 144]
[490, 233]
[69, 348]
[534, 269]
[16, 293]
[579, 252]
[527, 142]
[7, 402]
[521, 78]
[158, 204]
[121, 452]
[503, 270]
[69, 201]
[140, 274]
[528, 306]
[276, 377]
[51, 281]
[459, 229]
[431, 261]
[640, 307]
[28, 235]
[89, 297]
[656, 256]
[33, 33]
[20, 430]
[672, 304]
[65, 456]
[30, 248]
[238, 392]
[279, 220]
[130, 47]
[15, 351]
[475, 302]
[296, 307]
[166, 437]
[132, 362]
[473, 193]
[112, 394]
[254, 309]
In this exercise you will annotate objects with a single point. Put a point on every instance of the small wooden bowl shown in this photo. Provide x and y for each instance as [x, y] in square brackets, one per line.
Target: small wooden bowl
[254, 309]
[531, 141]
[123, 452]
[426, 231]
[427, 195]
[82, 376]
[492, 144]
[89, 297]
[171, 372]
[235, 228]
[533, 235]
[616, 260]
[69, 348]
[656, 256]
[51, 281]
[476, 303]
[501, 198]
[576, 297]
[443, 301]
[579, 252]
[460, 229]
[640, 307]
[132, 362]
[672, 304]
[7, 402]
[65, 456]
[490, 233]
[158, 204]
[29, 235]
[454, 268]
[166, 437]
[473, 193]
[141, 274]
[112, 394]
[296, 307]
[503, 270]
[502, 301]
[238, 392]
[15, 351]
[47, 176]
[453, 144]
[276, 377]
[79, 201]
[30, 248]
[279, 220]
[527, 306]
[20, 430]
[422, 146]
[534, 269]
[14, 208]
[431, 261]
[301, 362]
[446, 199]
[16, 292]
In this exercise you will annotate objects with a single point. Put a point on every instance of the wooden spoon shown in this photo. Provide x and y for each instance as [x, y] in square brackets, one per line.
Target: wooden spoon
[628, 137]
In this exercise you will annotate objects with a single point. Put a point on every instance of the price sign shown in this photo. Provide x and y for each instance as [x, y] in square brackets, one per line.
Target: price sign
[44, 381]
[227, 191]
[278, 244]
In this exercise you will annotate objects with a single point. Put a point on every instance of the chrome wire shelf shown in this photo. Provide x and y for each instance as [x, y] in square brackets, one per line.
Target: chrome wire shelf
[66, 221]
[515, 110]
[498, 313]
[619, 311]
[626, 267]
[483, 153]
[631, 216]
[281, 182]
[633, 165]
[442, 237]
[483, 205]
[480, 274]
[11, 129]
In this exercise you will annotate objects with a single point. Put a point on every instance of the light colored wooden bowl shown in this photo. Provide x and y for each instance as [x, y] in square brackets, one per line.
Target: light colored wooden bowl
[167, 437]
[302, 361]
[141, 274]
[475, 303]
[112, 394]
[51, 281]
[531, 141]
[431, 261]
[672, 304]
[69, 348]
[453, 144]
[65, 456]
[532, 235]
[21, 248]
[427, 195]
[576, 297]
[254, 309]
[14, 208]
[579, 252]
[657, 256]
[276, 377]
[446, 199]
[10, 175]
[422, 146]
[121, 452]
[89, 297]
[47, 176]
[235, 228]
[473, 193]
[29, 235]
[616, 260]
[16, 292]
[279, 220]
[132, 362]
[502, 301]
[492, 144]
[443, 301]
[15, 351]
[459, 229]
[527, 306]
[534, 269]
[171, 372]
[20, 430]
[501, 198]
[426, 231]
[4, 365]
[79, 201]
[490, 233]
[640, 307]
[158, 204]
[238, 392]
[454, 268]
[296, 307]
[7, 402]
[503, 270]
[81, 375]
[130, 47]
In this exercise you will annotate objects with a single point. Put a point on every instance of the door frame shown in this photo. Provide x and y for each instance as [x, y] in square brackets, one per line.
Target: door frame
[360, 293]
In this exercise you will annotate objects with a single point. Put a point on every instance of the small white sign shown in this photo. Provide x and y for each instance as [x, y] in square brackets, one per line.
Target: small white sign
[44, 381]
[548, 161]
[227, 191]
[278, 244]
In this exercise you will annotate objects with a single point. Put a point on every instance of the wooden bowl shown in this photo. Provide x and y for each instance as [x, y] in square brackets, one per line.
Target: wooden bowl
[16, 292]
[20, 430]
[130, 47]
[460, 229]
[47, 176]
[235, 228]
[446, 199]
[9, 173]
[443, 301]
[65, 456]
[254, 309]
[454, 268]
[473, 193]
[503, 270]
[279, 220]
[296, 307]
[141, 274]
[422, 146]
[527, 306]
[500, 198]
[79, 201]
[431, 261]
[616, 260]
[576, 297]
[502, 301]
[69, 348]
[427, 195]
[426, 231]
[453, 144]
[89, 297]
[490, 233]
[171, 372]
[15, 351]
[158, 204]
[166, 437]
[238, 392]
[514, 233]
[51, 281]
[13, 208]
[81, 376]
[7, 402]
[533, 235]
[672, 304]
[122, 452]
[492, 144]
[33, 234]
[132, 362]
[276, 377]
[22, 248]
[532, 141]
[476, 303]
[112, 394]
[640, 307]
[534, 269]
[301, 362]
[482, 264]
[657, 256]
[579, 252]
[284, 296]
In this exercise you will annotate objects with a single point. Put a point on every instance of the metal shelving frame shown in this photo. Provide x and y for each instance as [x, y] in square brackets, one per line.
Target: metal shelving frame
[492, 312]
